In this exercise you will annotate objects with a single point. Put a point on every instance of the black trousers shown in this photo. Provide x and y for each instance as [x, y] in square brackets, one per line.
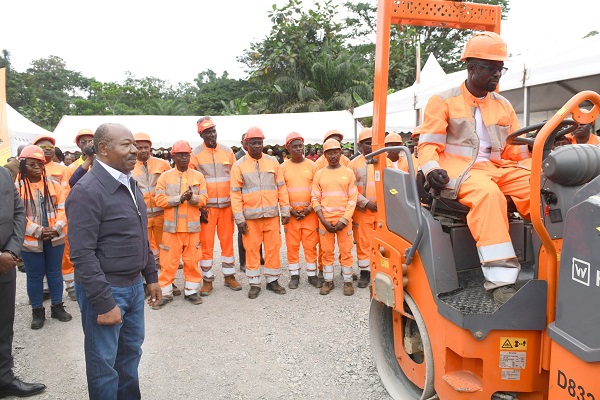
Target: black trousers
[8, 290]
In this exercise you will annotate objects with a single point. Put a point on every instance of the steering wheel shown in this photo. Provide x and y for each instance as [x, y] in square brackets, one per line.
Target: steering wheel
[531, 131]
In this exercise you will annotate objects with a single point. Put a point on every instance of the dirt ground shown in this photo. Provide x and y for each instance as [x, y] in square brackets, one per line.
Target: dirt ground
[300, 345]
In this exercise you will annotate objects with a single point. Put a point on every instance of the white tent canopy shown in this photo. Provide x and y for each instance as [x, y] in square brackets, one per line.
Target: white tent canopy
[165, 130]
[537, 81]
[20, 129]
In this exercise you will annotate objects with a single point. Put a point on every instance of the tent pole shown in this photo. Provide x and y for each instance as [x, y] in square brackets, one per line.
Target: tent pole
[526, 98]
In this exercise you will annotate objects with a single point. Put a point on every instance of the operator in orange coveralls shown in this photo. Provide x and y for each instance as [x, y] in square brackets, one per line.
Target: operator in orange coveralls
[181, 191]
[463, 153]
[333, 198]
[258, 193]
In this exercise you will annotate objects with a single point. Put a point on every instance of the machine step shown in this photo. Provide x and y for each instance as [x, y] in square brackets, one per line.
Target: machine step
[463, 381]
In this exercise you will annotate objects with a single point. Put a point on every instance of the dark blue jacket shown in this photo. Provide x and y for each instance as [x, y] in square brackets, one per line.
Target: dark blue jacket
[12, 221]
[108, 236]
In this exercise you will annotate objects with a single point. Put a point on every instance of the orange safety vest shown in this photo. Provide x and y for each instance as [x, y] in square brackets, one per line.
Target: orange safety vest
[215, 164]
[258, 189]
[449, 139]
[181, 217]
[334, 192]
[56, 172]
[56, 219]
[147, 177]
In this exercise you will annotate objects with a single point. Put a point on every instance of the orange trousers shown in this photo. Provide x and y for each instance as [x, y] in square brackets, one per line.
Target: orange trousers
[68, 270]
[155, 232]
[363, 225]
[327, 247]
[303, 232]
[220, 221]
[264, 231]
[176, 246]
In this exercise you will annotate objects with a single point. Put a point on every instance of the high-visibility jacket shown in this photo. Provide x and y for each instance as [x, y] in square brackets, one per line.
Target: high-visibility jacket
[215, 164]
[55, 213]
[593, 139]
[181, 217]
[147, 174]
[365, 180]
[449, 139]
[322, 161]
[334, 192]
[56, 172]
[298, 180]
[258, 189]
[71, 169]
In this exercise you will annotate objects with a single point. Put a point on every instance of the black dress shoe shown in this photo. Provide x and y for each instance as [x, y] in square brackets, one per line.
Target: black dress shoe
[21, 389]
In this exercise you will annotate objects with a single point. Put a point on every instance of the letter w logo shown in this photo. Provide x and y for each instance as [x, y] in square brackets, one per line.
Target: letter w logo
[581, 272]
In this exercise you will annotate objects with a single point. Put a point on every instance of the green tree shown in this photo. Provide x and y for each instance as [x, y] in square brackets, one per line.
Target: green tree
[213, 95]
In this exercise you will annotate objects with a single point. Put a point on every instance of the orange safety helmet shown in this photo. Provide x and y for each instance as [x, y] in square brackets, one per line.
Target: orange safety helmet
[141, 136]
[331, 133]
[204, 123]
[83, 132]
[291, 137]
[331, 144]
[418, 130]
[42, 137]
[486, 46]
[366, 133]
[32, 151]
[181, 146]
[254, 132]
[393, 138]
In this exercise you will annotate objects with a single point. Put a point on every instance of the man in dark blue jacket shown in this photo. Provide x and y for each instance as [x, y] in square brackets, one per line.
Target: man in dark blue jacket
[109, 247]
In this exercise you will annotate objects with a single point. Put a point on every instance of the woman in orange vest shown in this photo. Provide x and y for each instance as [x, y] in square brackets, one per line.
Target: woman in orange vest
[44, 242]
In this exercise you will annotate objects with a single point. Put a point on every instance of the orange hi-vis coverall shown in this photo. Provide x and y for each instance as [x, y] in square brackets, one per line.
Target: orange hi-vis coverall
[334, 192]
[363, 220]
[56, 219]
[298, 180]
[146, 175]
[455, 126]
[258, 194]
[215, 164]
[181, 229]
[322, 162]
[56, 172]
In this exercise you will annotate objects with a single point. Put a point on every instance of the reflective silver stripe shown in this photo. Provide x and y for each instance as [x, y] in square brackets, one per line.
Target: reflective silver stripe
[459, 150]
[169, 226]
[174, 200]
[160, 191]
[218, 179]
[252, 272]
[429, 165]
[299, 189]
[193, 226]
[206, 263]
[524, 151]
[30, 231]
[218, 202]
[253, 189]
[494, 252]
[300, 203]
[495, 155]
[235, 189]
[272, 271]
[262, 212]
[439, 138]
[280, 184]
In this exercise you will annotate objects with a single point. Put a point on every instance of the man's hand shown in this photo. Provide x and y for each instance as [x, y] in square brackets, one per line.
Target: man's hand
[89, 161]
[113, 317]
[329, 227]
[285, 220]
[296, 214]
[187, 195]
[155, 294]
[48, 233]
[7, 262]
[340, 226]
[203, 216]
[243, 228]
[438, 178]
[371, 206]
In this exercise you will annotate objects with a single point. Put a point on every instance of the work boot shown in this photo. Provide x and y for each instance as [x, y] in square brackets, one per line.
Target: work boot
[275, 287]
[58, 312]
[194, 298]
[39, 317]
[253, 292]
[71, 293]
[502, 294]
[326, 288]
[176, 291]
[365, 279]
[163, 302]
[348, 289]
[206, 288]
[294, 282]
[315, 281]
[232, 283]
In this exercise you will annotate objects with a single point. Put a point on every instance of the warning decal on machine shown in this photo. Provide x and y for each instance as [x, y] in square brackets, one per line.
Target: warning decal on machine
[512, 359]
[511, 374]
[513, 343]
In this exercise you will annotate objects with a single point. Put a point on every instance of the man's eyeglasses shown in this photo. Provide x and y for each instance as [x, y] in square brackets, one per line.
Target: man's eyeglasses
[491, 69]
[46, 147]
[34, 165]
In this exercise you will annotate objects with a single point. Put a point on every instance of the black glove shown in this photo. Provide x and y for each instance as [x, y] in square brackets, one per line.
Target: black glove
[438, 178]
